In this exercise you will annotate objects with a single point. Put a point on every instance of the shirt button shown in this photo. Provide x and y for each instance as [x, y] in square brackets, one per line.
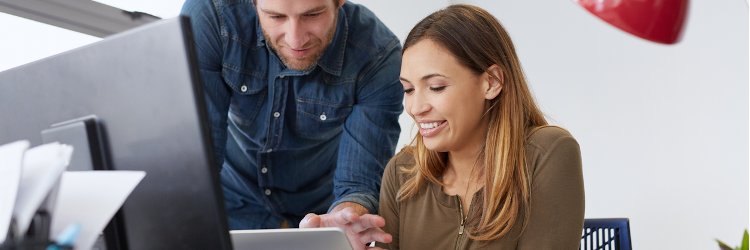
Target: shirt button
[281, 76]
[267, 192]
[269, 150]
[276, 114]
[243, 88]
[323, 117]
[264, 170]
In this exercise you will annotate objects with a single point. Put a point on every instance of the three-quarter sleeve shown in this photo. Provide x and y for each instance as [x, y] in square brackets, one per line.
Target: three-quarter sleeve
[557, 193]
[389, 208]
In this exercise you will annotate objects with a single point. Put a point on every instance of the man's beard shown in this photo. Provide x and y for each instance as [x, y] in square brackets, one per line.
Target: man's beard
[291, 62]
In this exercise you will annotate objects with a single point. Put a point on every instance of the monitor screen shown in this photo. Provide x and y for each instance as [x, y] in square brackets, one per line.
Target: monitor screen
[144, 89]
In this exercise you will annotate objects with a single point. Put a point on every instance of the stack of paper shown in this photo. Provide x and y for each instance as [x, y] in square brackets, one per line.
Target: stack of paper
[11, 156]
[42, 167]
[33, 180]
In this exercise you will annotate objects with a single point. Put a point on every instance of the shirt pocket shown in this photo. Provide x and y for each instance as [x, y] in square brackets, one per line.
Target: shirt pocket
[317, 119]
[248, 94]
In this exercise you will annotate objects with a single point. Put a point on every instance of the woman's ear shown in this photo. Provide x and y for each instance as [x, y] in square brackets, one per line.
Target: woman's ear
[494, 80]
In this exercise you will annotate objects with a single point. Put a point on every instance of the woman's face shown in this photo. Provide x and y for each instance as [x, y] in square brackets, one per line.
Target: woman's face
[446, 99]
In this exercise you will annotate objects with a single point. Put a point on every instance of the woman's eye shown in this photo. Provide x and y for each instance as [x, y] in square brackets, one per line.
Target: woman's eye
[409, 90]
[437, 89]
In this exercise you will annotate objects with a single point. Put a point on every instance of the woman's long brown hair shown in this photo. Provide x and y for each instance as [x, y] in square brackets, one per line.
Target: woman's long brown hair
[478, 41]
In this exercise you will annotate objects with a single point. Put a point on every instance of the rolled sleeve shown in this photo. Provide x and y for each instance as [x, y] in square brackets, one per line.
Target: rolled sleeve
[366, 200]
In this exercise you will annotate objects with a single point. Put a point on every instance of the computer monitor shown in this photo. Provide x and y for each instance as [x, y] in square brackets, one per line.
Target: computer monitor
[143, 88]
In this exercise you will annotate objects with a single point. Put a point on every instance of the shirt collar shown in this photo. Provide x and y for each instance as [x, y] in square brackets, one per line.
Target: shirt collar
[333, 57]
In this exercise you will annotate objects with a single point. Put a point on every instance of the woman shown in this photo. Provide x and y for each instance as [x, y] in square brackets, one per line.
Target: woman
[485, 170]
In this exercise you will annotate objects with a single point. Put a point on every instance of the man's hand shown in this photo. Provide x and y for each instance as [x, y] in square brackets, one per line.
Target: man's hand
[360, 227]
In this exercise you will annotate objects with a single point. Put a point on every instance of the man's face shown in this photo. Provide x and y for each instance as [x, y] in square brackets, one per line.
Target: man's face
[298, 30]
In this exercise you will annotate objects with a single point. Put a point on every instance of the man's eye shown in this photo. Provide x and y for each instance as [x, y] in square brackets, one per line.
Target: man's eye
[437, 89]
[409, 91]
[312, 15]
[276, 17]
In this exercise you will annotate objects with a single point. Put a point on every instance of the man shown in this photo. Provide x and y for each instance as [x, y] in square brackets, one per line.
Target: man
[303, 99]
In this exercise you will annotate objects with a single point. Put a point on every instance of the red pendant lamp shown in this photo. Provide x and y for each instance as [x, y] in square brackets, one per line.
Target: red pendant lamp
[660, 21]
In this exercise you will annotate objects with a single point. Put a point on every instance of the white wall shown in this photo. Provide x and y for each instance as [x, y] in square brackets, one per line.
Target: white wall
[663, 129]
[24, 41]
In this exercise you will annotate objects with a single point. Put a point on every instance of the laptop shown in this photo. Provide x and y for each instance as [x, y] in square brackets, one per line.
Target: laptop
[327, 238]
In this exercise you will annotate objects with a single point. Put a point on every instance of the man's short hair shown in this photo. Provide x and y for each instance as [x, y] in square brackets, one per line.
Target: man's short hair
[335, 2]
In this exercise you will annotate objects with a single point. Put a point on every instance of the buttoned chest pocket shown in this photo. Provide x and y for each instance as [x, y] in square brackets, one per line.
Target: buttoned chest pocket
[319, 119]
[248, 94]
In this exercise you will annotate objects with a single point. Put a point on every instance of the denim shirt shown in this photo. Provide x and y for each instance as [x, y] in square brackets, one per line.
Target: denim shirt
[293, 142]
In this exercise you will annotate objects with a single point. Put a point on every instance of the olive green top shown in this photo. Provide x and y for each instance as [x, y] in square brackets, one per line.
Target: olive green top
[432, 219]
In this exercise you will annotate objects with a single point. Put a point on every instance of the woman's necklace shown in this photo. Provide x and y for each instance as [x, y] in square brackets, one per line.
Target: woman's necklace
[466, 192]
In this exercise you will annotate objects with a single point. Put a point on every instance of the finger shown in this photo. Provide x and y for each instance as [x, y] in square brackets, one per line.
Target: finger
[368, 221]
[310, 221]
[375, 234]
[344, 217]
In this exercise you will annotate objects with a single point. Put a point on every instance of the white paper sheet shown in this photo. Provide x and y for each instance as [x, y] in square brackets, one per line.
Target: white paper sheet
[11, 157]
[90, 199]
[42, 167]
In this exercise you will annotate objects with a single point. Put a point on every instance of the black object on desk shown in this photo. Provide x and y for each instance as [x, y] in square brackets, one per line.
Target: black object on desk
[86, 136]
[143, 86]
[36, 238]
